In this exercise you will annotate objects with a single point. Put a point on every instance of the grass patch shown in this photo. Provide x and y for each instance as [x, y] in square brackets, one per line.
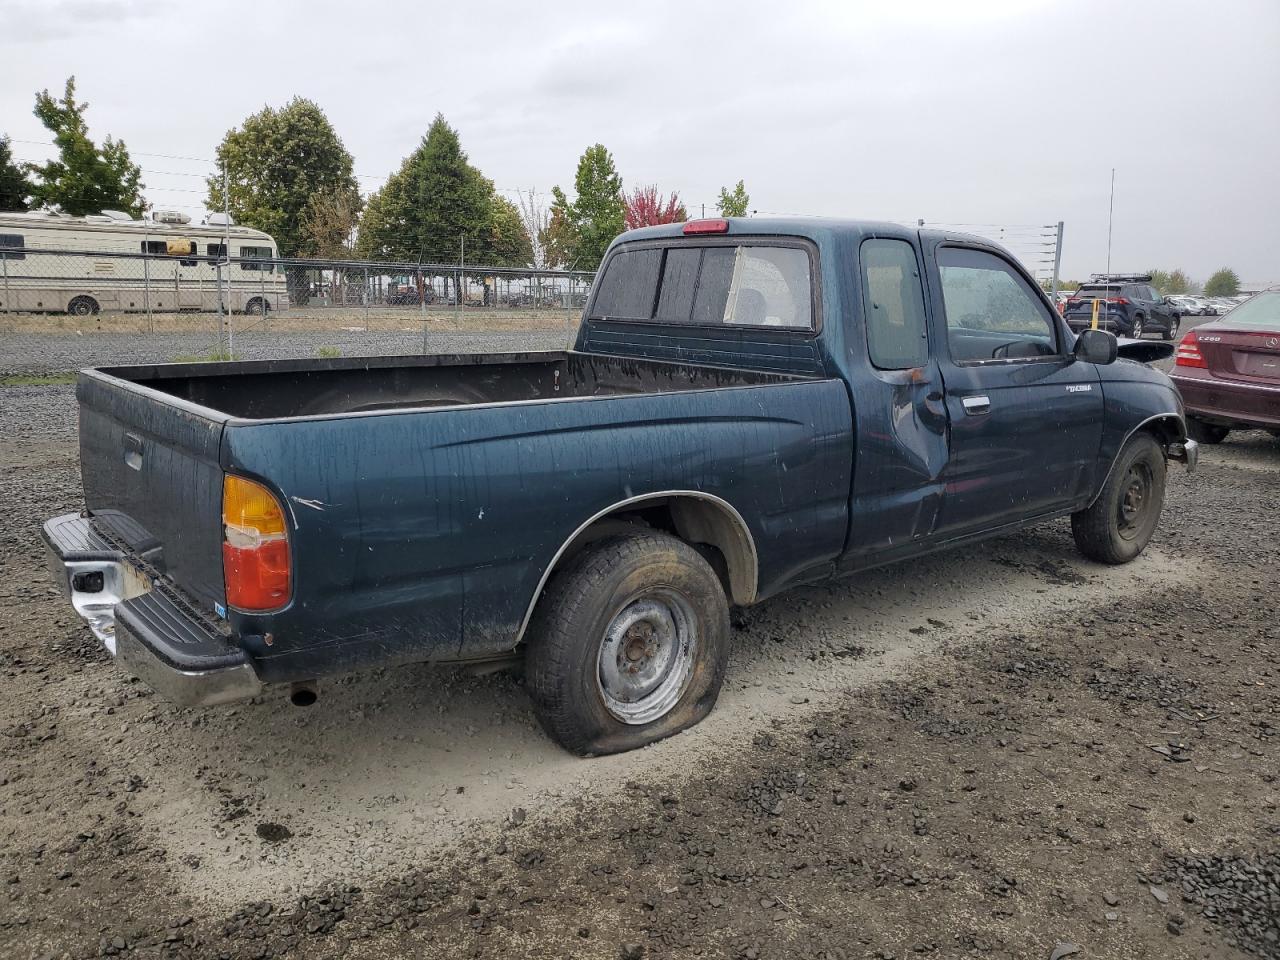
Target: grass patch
[37, 379]
[328, 353]
[213, 356]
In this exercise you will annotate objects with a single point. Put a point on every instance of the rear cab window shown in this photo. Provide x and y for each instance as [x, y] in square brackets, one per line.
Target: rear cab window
[741, 284]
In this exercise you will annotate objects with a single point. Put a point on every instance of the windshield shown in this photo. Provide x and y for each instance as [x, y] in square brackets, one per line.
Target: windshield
[1260, 311]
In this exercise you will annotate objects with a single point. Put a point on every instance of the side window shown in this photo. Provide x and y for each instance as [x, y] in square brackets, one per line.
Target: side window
[155, 248]
[216, 250]
[12, 241]
[248, 254]
[893, 303]
[992, 313]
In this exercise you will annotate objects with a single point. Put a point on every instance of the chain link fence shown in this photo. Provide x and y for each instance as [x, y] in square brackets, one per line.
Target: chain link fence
[161, 306]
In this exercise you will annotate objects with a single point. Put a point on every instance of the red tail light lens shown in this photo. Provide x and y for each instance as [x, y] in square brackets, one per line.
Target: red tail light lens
[1120, 300]
[706, 226]
[255, 547]
[1188, 354]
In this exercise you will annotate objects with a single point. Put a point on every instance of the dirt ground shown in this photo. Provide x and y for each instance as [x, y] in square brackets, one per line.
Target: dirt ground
[1002, 752]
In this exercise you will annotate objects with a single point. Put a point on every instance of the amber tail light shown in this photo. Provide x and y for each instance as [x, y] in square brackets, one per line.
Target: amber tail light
[255, 546]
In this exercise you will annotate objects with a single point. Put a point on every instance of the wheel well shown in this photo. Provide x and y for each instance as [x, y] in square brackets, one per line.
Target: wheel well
[1166, 430]
[711, 526]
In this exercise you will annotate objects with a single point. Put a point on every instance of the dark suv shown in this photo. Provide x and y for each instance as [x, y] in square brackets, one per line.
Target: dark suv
[1129, 307]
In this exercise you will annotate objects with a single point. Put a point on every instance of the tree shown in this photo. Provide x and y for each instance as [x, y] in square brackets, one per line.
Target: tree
[1223, 283]
[1170, 284]
[645, 208]
[733, 203]
[434, 202]
[15, 188]
[278, 163]
[85, 178]
[597, 214]
[560, 237]
[329, 224]
[535, 219]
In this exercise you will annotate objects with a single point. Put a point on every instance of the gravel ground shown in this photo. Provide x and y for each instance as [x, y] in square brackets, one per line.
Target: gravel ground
[1004, 752]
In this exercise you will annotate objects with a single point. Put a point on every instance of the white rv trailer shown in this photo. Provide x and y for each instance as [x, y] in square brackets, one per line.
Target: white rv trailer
[111, 262]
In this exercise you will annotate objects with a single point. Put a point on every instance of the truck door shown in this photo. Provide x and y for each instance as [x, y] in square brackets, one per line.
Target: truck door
[1025, 415]
[898, 405]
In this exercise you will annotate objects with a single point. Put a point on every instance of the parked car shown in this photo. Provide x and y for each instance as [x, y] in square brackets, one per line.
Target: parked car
[1190, 306]
[750, 405]
[1228, 371]
[1128, 306]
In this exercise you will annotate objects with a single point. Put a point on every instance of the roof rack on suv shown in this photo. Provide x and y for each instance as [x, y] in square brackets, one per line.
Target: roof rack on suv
[1120, 278]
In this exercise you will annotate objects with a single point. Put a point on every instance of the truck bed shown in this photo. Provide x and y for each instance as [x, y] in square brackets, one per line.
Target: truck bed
[427, 496]
[273, 389]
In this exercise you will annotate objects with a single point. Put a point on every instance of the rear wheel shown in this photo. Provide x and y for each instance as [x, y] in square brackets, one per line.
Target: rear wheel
[1171, 330]
[1118, 525]
[1136, 333]
[629, 645]
[1203, 432]
[256, 307]
[82, 307]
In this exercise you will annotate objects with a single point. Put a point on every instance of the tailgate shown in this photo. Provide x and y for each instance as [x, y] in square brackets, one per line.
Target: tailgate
[151, 474]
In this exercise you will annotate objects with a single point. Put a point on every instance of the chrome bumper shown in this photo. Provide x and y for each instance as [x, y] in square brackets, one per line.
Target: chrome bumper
[1187, 453]
[151, 633]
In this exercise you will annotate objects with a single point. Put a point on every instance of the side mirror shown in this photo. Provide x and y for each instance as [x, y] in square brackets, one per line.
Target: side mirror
[1096, 346]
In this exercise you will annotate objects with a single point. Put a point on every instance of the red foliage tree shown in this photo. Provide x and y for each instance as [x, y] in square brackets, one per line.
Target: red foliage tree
[645, 208]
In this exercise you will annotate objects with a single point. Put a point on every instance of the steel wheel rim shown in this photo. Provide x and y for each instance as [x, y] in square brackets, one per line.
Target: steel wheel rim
[1135, 500]
[646, 656]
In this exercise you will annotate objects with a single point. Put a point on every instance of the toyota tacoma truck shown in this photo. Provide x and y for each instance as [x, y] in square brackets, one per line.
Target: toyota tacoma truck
[749, 405]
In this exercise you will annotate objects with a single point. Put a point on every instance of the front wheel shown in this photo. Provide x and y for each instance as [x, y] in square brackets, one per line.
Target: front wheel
[629, 645]
[1118, 525]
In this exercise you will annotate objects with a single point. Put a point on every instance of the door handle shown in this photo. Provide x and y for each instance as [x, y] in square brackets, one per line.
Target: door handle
[976, 406]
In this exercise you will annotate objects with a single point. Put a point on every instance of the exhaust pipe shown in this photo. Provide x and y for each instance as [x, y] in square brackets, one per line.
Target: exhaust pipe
[303, 693]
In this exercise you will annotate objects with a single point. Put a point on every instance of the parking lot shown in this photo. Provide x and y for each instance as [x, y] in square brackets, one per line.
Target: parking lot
[986, 753]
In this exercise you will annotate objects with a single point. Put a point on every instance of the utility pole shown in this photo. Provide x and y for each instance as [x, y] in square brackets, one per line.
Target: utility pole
[1110, 213]
[1057, 263]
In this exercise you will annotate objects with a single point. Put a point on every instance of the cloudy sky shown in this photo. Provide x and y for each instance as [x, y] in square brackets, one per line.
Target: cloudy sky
[1000, 113]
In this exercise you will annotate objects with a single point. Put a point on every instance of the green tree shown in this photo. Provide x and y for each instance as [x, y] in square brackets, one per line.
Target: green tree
[15, 188]
[559, 237]
[597, 214]
[279, 163]
[1171, 283]
[85, 178]
[1223, 283]
[733, 203]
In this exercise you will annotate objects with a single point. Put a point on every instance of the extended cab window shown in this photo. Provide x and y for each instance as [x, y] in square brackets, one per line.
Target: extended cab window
[744, 285]
[893, 303]
[992, 312]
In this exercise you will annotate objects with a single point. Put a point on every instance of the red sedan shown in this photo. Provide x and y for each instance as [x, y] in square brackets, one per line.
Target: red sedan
[1228, 371]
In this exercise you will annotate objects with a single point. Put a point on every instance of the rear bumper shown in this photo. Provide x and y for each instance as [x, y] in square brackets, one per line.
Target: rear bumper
[153, 633]
[1221, 401]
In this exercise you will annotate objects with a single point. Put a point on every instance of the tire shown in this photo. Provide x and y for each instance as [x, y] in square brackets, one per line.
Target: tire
[1203, 432]
[82, 306]
[1171, 330]
[256, 307]
[1118, 525]
[609, 616]
[1136, 333]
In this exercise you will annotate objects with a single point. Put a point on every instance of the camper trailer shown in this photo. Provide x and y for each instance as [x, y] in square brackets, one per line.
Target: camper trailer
[52, 262]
